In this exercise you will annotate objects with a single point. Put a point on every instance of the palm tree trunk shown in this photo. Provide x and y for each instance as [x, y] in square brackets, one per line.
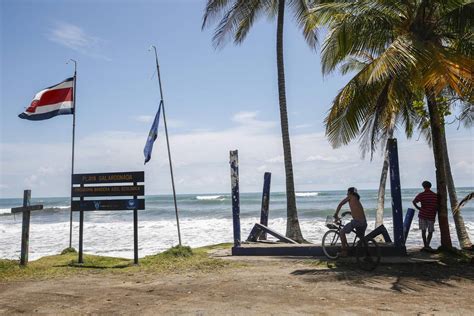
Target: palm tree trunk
[293, 230]
[438, 153]
[461, 231]
[383, 178]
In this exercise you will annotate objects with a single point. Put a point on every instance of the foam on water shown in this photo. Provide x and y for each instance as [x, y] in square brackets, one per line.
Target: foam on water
[205, 219]
[116, 239]
[210, 197]
[306, 194]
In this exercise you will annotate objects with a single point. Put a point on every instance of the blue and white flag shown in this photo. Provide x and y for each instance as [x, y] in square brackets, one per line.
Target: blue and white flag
[152, 136]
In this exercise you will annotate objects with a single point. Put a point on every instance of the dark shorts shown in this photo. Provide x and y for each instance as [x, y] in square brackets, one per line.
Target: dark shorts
[359, 226]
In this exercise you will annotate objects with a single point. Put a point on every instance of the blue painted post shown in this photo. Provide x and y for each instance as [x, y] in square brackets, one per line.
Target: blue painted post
[407, 222]
[234, 177]
[265, 202]
[395, 189]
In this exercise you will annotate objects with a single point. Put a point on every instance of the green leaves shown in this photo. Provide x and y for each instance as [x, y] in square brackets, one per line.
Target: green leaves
[399, 49]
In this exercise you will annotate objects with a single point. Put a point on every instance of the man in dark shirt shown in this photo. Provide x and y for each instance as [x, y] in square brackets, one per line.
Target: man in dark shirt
[427, 215]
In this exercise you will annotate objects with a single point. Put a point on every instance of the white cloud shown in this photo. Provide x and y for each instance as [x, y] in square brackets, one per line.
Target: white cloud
[201, 159]
[75, 38]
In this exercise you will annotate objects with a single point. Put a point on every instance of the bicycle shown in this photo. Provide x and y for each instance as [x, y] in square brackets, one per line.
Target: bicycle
[367, 251]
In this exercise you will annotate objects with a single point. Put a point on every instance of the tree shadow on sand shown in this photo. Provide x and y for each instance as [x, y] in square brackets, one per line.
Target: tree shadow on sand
[401, 277]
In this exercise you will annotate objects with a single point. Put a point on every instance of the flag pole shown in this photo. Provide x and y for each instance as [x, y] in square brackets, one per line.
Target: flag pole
[73, 137]
[168, 144]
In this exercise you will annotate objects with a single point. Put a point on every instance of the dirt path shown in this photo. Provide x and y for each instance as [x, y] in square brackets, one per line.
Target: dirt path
[263, 286]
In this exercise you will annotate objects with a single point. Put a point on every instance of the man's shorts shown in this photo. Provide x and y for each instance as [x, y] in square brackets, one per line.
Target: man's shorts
[426, 224]
[359, 226]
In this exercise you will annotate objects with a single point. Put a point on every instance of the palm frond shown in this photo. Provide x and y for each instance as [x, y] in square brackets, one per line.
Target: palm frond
[213, 9]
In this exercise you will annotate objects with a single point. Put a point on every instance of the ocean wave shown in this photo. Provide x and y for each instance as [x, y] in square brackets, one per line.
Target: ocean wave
[306, 194]
[210, 197]
[5, 210]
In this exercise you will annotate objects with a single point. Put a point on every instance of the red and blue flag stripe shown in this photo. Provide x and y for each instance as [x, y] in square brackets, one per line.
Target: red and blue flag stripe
[52, 101]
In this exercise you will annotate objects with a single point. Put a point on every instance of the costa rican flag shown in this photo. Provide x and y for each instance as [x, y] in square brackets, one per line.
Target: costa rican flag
[52, 101]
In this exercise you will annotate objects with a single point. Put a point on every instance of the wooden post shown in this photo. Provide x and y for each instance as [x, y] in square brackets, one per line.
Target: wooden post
[234, 176]
[265, 203]
[25, 228]
[395, 190]
[81, 232]
[407, 222]
[81, 235]
[25, 224]
[135, 232]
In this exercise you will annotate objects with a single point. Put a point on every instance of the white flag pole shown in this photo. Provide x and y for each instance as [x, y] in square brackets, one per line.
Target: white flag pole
[168, 143]
[73, 138]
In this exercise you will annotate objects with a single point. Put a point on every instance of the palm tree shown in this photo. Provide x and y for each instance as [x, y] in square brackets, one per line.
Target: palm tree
[427, 42]
[447, 102]
[236, 19]
[370, 113]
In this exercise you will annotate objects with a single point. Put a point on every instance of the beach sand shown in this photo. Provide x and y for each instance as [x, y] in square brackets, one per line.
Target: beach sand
[260, 285]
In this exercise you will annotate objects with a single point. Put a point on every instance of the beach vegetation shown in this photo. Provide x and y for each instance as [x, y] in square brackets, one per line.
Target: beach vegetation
[420, 47]
[174, 260]
[235, 19]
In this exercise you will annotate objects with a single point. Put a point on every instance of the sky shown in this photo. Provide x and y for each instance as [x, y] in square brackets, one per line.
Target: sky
[216, 100]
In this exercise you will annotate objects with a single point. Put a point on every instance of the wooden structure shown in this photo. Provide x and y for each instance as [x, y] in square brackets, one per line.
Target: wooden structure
[396, 192]
[258, 230]
[26, 209]
[265, 203]
[288, 247]
[88, 188]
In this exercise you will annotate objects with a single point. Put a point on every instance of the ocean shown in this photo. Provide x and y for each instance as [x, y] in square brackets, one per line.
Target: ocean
[204, 219]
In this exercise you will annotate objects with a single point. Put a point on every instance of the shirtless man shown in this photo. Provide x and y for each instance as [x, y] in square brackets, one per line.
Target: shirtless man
[358, 221]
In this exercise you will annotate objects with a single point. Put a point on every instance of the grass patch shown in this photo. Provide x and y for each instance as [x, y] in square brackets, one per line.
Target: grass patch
[68, 250]
[175, 259]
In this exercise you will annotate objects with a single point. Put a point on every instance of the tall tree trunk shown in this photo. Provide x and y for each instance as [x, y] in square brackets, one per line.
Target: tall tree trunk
[293, 230]
[383, 178]
[461, 231]
[438, 153]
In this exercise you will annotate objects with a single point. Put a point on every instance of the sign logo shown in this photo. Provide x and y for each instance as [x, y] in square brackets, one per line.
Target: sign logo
[97, 204]
[131, 204]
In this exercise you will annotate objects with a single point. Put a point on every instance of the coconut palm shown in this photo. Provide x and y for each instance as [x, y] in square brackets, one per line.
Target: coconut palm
[428, 43]
[236, 17]
[447, 103]
[370, 113]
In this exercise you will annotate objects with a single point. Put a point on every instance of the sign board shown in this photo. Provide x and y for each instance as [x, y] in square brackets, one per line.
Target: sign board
[123, 190]
[108, 205]
[85, 185]
[87, 189]
[111, 177]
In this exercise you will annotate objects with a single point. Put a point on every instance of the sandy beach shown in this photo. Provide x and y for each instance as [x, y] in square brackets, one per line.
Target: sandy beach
[256, 285]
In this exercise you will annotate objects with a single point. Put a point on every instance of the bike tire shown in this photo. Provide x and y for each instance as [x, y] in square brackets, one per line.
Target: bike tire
[330, 246]
[367, 254]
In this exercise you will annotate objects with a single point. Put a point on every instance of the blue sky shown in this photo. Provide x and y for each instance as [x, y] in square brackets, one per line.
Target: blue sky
[216, 100]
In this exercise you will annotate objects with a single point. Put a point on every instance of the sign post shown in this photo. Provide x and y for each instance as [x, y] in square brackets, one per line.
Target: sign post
[88, 188]
[25, 226]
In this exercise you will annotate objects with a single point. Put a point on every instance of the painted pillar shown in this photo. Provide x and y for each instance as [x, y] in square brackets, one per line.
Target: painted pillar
[395, 189]
[234, 177]
[265, 202]
[407, 222]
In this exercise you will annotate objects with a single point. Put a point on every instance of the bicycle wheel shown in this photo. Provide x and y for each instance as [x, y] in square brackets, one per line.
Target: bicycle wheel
[367, 254]
[330, 244]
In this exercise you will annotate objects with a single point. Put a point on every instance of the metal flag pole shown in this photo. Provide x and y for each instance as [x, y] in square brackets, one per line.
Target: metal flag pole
[73, 137]
[167, 142]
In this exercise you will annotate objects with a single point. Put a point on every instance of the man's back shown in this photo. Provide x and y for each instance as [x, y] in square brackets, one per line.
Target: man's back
[429, 204]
